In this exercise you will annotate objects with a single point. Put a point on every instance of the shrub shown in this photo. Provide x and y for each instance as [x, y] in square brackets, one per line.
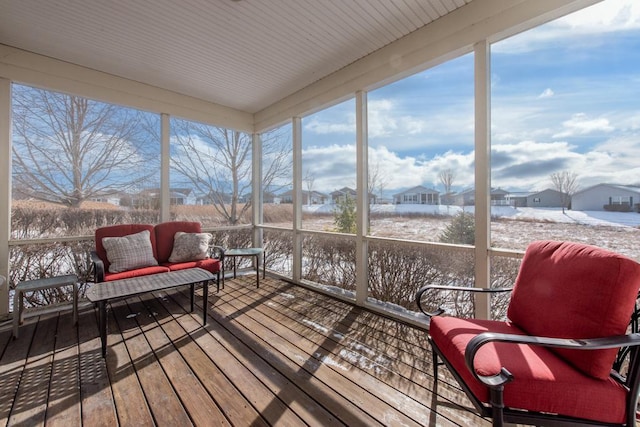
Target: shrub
[617, 208]
[344, 216]
[461, 230]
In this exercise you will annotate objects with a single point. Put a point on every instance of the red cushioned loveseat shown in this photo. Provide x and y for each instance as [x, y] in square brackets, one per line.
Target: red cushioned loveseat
[142, 249]
[555, 361]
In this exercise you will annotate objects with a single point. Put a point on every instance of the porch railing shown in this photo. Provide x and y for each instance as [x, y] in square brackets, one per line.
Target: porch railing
[396, 268]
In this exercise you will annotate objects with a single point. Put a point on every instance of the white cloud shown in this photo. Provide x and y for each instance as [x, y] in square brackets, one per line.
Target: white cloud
[581, 124]
[383, 120]
[547, 93]
[325, 128]
[609, 15]
[605, 17]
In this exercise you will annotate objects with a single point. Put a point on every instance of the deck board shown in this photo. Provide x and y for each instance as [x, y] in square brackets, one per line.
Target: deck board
[277, 355]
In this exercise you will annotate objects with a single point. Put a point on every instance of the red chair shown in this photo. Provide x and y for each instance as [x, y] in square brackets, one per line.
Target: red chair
[565, 355]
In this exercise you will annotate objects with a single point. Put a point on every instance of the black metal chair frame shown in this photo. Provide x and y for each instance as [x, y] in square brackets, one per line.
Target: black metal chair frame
[628, 357]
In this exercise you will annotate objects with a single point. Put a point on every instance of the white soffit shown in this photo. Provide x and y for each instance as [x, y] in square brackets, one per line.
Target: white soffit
[245, 54]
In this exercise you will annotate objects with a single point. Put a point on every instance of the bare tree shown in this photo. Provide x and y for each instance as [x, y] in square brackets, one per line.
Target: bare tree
[447, 176]
[217, 162]
[68, 149]
[565, 182]
[376, 180]
[309, 179]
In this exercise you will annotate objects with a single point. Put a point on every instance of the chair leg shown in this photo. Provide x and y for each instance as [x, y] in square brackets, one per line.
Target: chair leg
[497, 405]
[435, 362]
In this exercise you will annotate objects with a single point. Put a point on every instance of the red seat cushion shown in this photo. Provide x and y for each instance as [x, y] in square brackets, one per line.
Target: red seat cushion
[542, 380]
[120, 231]
[165, 232]
[571, 290]
[209, 264]
[135, 273]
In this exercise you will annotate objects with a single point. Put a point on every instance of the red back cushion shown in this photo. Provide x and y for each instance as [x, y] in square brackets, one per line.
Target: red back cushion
[165, 233]
[119, 231]
[571, 290]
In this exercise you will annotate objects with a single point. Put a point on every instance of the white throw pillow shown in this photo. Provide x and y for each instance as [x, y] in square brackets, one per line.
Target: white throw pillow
[190, 246]
[129, 252]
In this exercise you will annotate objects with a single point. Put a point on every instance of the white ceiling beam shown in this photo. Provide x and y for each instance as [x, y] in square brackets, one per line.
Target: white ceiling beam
[40, 71]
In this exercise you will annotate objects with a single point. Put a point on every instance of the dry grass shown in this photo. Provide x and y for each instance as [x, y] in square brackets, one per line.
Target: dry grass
[40, 205]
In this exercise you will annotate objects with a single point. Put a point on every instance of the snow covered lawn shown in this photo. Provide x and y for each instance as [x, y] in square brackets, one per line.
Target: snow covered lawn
[511, 228]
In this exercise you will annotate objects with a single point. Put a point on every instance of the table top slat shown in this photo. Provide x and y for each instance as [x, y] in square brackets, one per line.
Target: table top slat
[153, 282]
[243, 252]
[46, 282]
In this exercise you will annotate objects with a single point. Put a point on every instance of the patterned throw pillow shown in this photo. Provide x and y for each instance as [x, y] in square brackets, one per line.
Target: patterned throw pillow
[129, 252]
[190, 246]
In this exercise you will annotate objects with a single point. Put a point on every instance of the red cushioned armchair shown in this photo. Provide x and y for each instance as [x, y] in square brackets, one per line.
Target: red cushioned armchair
[568, 352]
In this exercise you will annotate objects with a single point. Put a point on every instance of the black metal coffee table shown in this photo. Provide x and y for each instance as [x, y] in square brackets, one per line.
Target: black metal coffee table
[101, 293]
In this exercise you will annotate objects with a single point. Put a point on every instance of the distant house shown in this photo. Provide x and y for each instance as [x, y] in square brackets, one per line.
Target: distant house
[468, 197]
[499, 197]
[315, 197]
[110, 198]
[213, 197]
[340, 195]
[548, 198]
[182, 196]
[269, 197]
[418, 195]
[150, 197]
[607, 197]
[518, 199]
[448, 198]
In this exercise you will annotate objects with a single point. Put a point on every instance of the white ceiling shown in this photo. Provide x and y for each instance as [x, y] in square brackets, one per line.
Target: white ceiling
[244, 54]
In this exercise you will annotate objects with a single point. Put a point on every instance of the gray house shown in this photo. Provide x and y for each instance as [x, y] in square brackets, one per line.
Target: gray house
[468, 197]
[518, 199]
[418, 195]
[548, 198]
[607, 197]
[308, 198]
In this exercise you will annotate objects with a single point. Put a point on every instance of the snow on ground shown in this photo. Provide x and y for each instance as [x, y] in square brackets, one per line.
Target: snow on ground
[613, 219]
[511, 228]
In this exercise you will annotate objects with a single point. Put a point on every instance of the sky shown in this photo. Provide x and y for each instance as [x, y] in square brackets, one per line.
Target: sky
[565, 96]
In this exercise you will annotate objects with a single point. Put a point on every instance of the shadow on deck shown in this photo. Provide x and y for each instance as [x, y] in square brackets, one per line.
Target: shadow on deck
[278, 355]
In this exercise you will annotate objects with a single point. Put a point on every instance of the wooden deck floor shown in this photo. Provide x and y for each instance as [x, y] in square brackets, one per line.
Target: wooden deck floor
[278, 355]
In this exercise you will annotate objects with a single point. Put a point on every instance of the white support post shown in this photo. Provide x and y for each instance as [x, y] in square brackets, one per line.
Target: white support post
[5, 190]
[257, 195]
[482, 175]
[165, 159]
[297, 198]
[362, 204]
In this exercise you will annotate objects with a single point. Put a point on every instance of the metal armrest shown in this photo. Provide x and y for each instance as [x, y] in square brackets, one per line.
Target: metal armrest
[217, 252]
[504, 376]
[439, 311]
[98, 267]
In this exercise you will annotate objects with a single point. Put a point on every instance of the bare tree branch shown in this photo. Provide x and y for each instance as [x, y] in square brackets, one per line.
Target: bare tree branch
[217, 162]
[565, 182]
[69, 149]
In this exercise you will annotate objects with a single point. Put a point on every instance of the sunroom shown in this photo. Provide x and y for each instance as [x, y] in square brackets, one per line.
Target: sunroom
[225, 106]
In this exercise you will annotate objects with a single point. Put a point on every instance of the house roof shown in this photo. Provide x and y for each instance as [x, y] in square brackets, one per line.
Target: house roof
[629, 188]
[418, 189]
[344, 190]
[244, 60]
